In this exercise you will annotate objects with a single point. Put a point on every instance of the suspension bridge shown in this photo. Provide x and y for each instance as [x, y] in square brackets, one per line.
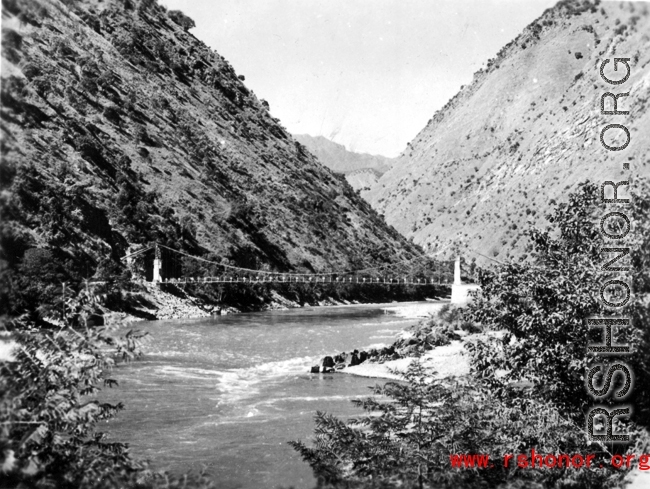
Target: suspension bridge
[170, 267]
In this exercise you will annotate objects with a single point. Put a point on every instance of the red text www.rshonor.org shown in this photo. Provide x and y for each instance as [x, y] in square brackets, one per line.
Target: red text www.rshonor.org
[545, 461]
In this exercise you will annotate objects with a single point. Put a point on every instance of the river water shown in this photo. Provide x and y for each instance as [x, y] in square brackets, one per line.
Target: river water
[227, 393]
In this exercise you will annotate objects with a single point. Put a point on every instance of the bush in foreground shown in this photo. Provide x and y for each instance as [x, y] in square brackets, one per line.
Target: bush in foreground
[542, 306]
[407, 435]
[49, 411]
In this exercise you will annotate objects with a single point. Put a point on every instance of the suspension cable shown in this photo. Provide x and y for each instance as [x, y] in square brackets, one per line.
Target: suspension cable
[347, 272]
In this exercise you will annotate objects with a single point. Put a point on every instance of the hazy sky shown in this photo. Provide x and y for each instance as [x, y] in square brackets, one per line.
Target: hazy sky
[368, 74]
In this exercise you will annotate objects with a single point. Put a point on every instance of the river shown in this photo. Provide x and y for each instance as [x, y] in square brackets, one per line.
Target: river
[227, 393]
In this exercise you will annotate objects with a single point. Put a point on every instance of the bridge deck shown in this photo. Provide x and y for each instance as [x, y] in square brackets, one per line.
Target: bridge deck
[304, 280]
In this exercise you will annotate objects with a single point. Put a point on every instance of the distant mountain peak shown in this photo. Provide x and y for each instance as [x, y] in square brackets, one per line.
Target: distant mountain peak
[361, 169]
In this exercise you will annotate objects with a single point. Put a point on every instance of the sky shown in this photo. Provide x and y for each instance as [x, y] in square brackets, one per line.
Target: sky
[367, 74]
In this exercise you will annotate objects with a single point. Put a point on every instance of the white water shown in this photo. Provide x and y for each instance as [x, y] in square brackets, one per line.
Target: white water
[228, 393]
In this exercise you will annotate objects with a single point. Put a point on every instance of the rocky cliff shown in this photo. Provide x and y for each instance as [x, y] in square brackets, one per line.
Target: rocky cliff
[120, 128]
[523, 133]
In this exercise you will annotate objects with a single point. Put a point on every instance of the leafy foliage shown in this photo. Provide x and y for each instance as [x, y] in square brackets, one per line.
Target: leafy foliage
[541, 306]
[49, 408]
[407, 435]
[529, 388]
[181, 19]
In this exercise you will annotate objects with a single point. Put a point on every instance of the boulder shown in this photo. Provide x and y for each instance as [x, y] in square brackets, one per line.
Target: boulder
[96, 319]
[315, 369]
[412, 350]
[354, 360]
[327, 362]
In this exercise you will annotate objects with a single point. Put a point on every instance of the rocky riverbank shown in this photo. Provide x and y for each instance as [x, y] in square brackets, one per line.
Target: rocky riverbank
[445, 360]
[153, 303]
[279, 302]
[437, 345]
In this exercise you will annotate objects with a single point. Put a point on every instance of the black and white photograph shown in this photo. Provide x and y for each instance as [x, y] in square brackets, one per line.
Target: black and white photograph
[325, 244]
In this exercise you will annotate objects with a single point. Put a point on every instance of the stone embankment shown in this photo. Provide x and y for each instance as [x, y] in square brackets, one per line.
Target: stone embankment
[162, 305]
[279, 302]
[445, 353]
[402, 348]
[446, 360]
[174, 307]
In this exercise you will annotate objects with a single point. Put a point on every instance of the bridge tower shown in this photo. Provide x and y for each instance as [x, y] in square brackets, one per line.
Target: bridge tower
[459, 290]
[157, 265]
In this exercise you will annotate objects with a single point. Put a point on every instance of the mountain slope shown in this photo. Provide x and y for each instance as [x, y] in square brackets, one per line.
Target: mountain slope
[523, 133]
[120, 128]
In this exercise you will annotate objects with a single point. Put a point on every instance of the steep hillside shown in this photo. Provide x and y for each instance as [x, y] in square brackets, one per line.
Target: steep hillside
[523, 133]
[120, 128]
[366, 168]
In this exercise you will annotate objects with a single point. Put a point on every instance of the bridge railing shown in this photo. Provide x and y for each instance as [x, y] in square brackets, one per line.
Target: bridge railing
[288, 279]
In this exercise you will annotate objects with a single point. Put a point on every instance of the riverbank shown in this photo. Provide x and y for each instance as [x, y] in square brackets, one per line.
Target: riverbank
[445, 354]
[446, 361]
[450, 361]
[158, 304]
[152, 302]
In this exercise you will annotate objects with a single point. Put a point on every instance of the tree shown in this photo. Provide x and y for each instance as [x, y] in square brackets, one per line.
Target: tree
[47, 407]
[181, 19]
[408, 435]
[542, 305]
[49, 411]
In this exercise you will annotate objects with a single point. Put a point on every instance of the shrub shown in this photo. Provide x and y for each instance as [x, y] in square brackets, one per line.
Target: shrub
[48, 406]
[449, 314]
[440, 336]
[542, 306]
[181, 19]
[406, 437]
[112, 114]
[47, 402]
